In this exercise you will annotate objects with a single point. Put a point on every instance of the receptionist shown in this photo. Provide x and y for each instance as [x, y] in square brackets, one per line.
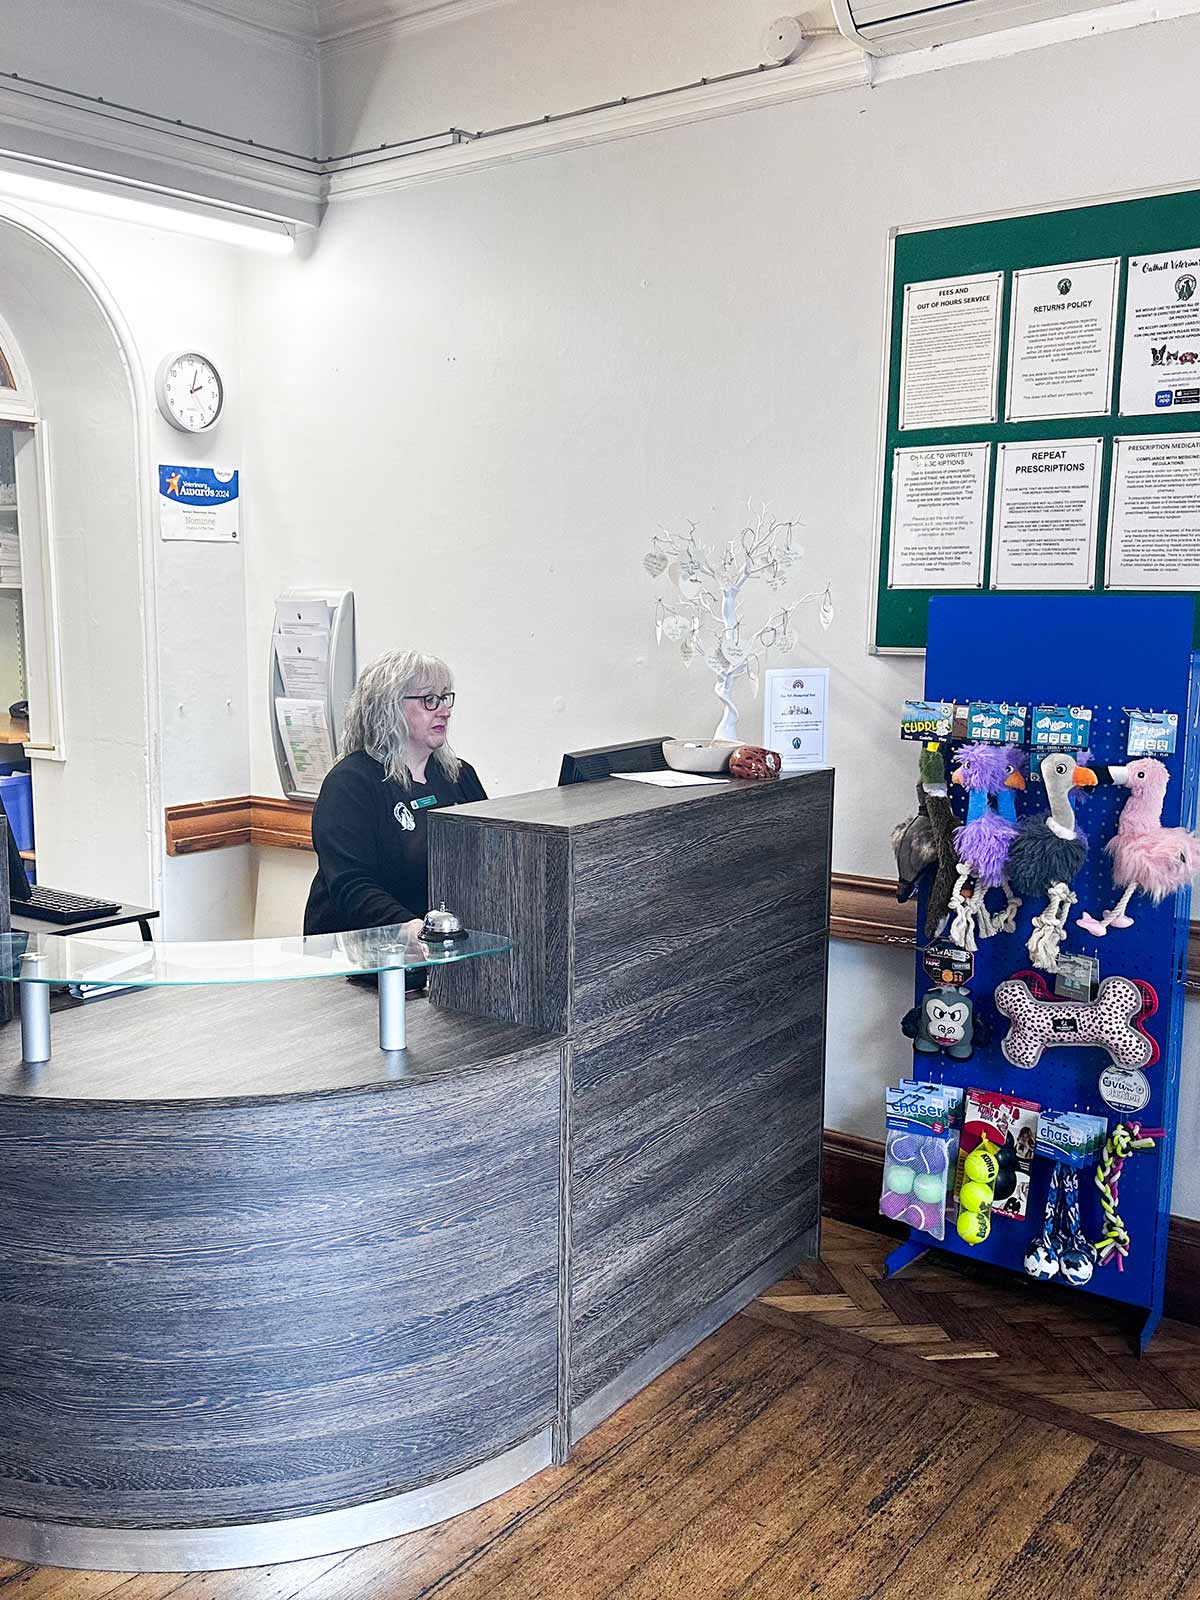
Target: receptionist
[370, 821]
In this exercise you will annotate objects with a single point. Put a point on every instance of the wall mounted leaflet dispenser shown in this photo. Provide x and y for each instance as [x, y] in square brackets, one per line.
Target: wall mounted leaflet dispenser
[312, 672]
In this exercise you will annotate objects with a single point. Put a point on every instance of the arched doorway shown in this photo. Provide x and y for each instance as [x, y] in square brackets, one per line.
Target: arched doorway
[80, 483]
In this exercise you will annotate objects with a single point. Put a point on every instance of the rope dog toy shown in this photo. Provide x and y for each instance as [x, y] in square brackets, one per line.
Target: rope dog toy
[1062, 1248]
[1123, 1141]
[1114, 1021]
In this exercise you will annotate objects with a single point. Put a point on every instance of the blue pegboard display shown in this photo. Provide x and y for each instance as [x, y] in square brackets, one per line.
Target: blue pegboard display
[1111, 653]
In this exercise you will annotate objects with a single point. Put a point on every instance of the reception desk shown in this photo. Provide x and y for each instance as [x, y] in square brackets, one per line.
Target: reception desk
[267, 1291]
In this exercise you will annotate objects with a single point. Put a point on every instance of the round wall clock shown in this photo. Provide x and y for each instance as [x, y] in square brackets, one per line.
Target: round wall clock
[189, 391]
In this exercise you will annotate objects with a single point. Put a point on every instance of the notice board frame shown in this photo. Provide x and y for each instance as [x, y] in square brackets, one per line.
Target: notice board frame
[1128, 224]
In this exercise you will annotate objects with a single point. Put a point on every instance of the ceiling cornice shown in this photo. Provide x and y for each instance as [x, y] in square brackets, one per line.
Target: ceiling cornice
[294, 20]
[346, 23]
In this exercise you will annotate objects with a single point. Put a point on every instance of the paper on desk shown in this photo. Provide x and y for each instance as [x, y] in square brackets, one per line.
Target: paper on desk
[303, 664]
[669, 779]
[304, 730]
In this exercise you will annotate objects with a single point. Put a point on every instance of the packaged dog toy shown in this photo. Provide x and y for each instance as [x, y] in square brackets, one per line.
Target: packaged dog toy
[1010, 1126]
[920, 1152]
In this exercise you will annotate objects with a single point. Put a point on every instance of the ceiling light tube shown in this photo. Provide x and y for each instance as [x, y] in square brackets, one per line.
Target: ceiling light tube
[128, 201]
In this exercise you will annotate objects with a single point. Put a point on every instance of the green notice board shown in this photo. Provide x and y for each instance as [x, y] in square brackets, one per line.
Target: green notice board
[1124, 228]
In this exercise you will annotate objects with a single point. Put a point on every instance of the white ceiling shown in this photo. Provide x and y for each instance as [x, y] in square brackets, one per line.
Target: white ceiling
[318, 21]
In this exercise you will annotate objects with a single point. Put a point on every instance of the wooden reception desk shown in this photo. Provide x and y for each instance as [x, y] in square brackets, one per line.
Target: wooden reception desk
[266, 1291]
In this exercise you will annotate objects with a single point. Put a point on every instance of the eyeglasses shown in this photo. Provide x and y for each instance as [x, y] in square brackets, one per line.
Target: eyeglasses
[432, 701]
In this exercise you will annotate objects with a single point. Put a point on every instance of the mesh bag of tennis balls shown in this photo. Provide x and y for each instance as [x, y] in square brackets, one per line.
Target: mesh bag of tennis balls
[919, 1154]
[1009, 1127]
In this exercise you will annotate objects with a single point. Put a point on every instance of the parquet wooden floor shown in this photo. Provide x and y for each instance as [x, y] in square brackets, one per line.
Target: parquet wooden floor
[1035, 1348]
[803, 1451]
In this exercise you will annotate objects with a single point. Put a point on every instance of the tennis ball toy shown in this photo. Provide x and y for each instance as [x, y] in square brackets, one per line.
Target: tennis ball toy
[891, 1205]
[923, 1218]
[906, 1148]
[975, 1196]
[933, 1156]
[899, 1180]
[974, 1226]
[981, 1165]
[930, 1188]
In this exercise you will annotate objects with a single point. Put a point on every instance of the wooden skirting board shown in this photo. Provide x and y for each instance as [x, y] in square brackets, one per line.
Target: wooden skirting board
[244, 819]
[852, 1175]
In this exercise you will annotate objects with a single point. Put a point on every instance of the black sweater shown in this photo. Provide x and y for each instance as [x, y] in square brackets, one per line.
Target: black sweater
[370, 837]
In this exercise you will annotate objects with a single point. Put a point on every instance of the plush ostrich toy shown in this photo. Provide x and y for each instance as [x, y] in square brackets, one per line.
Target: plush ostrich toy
[984, 840]
[1145, 855]
[1047, 853]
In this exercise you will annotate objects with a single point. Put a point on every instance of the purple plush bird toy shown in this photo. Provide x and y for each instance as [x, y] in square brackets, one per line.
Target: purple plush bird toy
[983, 842]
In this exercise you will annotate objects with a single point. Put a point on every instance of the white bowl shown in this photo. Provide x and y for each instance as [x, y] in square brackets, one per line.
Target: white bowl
[698, 755]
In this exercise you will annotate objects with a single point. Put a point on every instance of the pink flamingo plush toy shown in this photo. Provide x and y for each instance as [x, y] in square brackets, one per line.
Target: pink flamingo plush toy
[1145, 855]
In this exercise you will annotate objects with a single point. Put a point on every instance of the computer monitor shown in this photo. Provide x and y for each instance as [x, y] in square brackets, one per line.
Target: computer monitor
[640, 755]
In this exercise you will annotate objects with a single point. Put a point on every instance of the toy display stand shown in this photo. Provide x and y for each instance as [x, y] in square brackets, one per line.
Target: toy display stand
[1112, 653]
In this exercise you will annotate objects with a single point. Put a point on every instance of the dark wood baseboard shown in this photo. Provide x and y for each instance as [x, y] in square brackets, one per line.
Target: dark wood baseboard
[852, 1176]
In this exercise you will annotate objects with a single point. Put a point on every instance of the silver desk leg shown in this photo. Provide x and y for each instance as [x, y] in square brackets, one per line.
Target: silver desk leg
[391, 1009]
[35, 1015]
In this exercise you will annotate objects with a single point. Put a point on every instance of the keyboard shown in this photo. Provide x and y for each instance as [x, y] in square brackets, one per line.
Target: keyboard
[56, 905]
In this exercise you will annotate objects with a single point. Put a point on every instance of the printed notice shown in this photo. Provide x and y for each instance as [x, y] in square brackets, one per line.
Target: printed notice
[950, 351]
[1047, 505]
[795, 715]
[1154, 518]
[304, 731]
[1160, 360]
[198, 503]
[1060, 349]
[939, 503]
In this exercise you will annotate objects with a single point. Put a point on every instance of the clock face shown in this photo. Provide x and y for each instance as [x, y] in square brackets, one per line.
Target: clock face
[190, 393]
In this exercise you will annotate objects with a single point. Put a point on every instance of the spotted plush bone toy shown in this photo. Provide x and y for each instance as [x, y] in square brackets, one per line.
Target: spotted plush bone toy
[1113, 1021]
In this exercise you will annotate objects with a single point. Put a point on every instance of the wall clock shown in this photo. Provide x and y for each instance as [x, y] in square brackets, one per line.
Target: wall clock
[189, 391]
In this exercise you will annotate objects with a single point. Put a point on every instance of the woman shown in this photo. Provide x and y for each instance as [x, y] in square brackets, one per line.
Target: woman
[369, 822]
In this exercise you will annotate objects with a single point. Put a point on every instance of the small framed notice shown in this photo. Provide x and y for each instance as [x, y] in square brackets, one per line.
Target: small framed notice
[939, 509]
[198, 503]
[796, 714]
[1047, 501]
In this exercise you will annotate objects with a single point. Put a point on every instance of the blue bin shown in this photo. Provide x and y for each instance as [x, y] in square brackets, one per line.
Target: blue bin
[16, 791]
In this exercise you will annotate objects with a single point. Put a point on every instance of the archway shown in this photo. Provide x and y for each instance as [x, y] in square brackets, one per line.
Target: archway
[96, 798]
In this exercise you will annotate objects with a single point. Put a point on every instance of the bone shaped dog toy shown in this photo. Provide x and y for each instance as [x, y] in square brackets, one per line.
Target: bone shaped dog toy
[1113, 1021]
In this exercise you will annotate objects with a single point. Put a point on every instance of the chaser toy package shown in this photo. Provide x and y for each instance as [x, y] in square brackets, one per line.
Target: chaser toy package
[922, 1143]
[1009, 1126]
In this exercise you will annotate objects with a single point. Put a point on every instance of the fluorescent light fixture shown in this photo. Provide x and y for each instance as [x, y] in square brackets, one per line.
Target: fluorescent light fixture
[128, 201]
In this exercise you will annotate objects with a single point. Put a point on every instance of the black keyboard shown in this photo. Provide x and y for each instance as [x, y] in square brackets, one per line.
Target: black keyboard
[56, 905]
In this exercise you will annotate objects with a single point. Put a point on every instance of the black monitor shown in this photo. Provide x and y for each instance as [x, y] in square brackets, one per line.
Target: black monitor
[640, 755]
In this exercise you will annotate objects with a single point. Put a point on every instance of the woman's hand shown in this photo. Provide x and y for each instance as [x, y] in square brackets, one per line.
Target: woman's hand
[412, 930]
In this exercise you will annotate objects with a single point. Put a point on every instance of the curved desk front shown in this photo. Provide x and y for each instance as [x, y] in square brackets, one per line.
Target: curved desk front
[267, 1291]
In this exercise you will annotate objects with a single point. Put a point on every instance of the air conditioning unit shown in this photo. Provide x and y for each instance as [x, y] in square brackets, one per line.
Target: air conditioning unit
[889, 27]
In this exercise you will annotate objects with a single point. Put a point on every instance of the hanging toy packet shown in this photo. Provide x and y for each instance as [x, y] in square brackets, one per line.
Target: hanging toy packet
[920, 1153]
[1010, 1126]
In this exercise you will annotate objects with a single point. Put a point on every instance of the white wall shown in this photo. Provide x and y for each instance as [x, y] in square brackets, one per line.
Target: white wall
[100, 826]
[515, 61]
[502, 382]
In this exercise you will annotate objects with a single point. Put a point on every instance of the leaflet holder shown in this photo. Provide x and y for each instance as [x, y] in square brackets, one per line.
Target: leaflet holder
[322, 682]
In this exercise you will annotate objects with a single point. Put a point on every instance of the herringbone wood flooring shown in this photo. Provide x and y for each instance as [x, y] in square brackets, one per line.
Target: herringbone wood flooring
[1036, 1348]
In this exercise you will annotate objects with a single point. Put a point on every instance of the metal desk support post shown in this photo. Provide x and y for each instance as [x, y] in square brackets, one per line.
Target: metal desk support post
[391, 1009]
[35, 1013]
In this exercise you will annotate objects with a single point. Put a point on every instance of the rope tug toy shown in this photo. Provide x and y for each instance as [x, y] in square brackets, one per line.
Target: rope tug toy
[1062, 1247]
[1123, 1141]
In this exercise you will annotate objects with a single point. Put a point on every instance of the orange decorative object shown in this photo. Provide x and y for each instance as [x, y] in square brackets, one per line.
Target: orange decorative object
[751, 761]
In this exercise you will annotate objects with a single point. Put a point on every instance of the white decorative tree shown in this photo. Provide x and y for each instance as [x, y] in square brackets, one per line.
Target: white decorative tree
[705, 620]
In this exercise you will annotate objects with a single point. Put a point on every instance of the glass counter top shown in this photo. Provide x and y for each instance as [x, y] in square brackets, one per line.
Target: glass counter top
[41, 958]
